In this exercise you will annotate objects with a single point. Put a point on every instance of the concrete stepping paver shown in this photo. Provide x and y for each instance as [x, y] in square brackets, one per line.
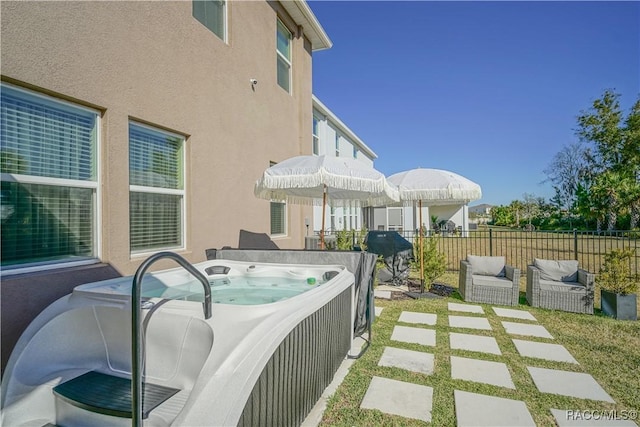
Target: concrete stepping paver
[469, 322]
[574, 418]
[399, 398]
[410, 360]
[477, 343]
[526, 329]
[516, 314]
[467, 308]
[414, 335]
[481, 371]
[378, 310]
[422, 318]
[541, 350]
[565, 383]
[382, 294]
[479, 410]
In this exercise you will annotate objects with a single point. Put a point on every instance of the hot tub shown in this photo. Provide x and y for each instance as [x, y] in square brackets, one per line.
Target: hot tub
[277, 335]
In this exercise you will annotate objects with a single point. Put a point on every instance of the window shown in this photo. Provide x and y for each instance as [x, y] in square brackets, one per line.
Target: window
[48, 161]
[355, 152]
[156, 197]
[212, 14]
[394, 219]
[337, 145]
[278, 216]
[283, 53]
[333, 219]
[316, 139]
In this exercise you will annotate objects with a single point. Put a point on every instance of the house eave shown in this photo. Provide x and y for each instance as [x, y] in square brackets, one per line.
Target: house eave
[302, 14]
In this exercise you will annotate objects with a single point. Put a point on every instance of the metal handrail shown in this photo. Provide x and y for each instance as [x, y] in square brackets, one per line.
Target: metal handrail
[136, 354]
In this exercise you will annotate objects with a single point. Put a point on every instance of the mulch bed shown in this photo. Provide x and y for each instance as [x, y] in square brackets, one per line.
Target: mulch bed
[413, 286]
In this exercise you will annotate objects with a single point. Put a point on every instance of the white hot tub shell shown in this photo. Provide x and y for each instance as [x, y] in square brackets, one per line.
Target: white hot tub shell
[292, 347]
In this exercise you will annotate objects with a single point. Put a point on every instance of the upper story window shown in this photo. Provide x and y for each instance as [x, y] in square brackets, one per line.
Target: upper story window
[283, 53]
[49, 161]
[355, 152]
[156, 189]
[337, 145]
[213, 15]
[316, 139]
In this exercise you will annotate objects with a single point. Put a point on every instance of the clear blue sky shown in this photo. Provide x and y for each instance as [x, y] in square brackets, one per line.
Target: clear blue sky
[489, 90]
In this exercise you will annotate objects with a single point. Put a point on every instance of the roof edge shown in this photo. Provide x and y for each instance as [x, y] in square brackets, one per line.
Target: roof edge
[318, 105]
[302, 13]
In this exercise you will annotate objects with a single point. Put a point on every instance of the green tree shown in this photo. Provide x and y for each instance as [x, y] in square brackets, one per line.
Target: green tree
[502, 215]
[608, 193]
[517, 210]
[611, 185]
[631, 155]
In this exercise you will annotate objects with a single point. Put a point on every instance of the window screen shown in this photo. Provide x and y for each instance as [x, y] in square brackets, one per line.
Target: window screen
[156, 201]
[48, 152]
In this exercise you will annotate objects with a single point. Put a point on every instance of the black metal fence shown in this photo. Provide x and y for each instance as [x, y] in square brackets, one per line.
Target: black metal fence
[521, 247]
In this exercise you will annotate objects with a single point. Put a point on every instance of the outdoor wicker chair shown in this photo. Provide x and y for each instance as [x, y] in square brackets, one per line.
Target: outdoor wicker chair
[560, 285]
[487, 279]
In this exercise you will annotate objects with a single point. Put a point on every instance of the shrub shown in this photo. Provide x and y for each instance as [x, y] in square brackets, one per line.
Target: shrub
[434, 261]
[344, 240]
[615, 275]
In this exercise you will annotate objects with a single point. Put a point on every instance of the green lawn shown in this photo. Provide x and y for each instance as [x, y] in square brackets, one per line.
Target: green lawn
[607, 349]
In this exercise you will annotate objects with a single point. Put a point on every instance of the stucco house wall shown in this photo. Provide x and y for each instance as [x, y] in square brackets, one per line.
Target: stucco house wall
[154, 63]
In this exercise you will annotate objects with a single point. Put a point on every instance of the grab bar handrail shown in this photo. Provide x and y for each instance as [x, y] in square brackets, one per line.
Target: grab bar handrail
[136, 354]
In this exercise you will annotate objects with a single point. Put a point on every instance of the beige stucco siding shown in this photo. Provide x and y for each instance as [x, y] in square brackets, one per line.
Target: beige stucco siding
[153, 62]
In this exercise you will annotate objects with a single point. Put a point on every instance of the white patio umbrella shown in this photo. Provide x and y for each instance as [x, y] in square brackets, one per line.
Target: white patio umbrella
[322, 180]
[433, 187]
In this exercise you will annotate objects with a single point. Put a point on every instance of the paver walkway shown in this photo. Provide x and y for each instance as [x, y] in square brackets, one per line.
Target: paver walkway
[472, 409]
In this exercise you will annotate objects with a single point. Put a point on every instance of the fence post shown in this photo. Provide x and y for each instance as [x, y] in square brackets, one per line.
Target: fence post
[575, 244]
[490, 242]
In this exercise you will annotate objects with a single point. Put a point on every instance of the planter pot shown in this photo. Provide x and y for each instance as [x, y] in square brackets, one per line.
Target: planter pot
[622, 307]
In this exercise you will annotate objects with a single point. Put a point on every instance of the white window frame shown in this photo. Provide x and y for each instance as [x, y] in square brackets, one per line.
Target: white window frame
[285, 215]
[315, 144]
[95, 185]
[167, 191]
[279, 55]
[225, 20]
[285, 222]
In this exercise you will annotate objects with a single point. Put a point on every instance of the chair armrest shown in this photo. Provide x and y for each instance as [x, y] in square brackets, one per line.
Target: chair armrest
[533, 279]
[512, 273]
[587, 279]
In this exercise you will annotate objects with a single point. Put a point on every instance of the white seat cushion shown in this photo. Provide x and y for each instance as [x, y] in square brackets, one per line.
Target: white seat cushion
[500, 282]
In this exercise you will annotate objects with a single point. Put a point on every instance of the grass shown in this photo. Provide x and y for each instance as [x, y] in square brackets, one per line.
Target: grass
[607, 349]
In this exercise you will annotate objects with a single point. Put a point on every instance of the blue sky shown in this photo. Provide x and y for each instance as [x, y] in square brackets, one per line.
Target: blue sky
[489, 90]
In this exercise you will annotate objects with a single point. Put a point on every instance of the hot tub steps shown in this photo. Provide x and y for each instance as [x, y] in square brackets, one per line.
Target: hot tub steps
[110, 395]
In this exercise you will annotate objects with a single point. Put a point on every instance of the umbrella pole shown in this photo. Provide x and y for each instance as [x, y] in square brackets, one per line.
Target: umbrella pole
[324, 206]
[421, 251]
